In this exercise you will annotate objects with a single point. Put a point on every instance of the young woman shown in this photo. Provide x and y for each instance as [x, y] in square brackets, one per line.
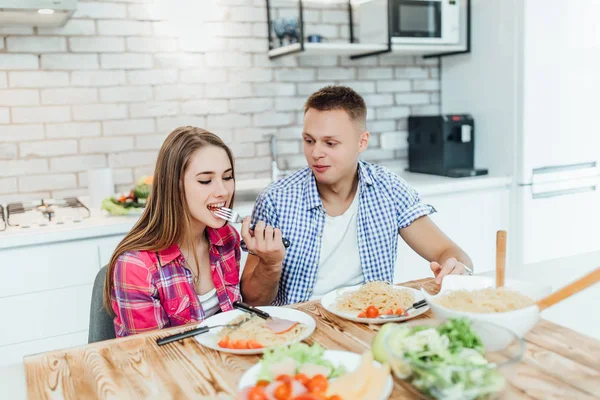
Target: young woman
[180, 263]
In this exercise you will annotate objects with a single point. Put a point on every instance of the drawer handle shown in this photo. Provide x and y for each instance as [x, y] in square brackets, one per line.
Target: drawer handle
[556, 193]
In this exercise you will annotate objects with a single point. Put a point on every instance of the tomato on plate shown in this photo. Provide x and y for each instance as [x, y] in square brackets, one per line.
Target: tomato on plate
[372, 312]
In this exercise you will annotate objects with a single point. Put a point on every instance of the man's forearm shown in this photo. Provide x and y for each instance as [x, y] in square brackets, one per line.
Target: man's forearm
[261, 287]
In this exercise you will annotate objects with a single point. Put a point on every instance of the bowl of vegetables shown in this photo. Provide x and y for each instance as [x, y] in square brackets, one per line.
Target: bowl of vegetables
[132, 203]
[452, 359]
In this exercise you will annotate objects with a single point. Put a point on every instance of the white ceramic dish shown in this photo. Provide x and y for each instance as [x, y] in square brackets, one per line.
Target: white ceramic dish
[349, 360]
[210, 339]
[519, 321]
[330, 299]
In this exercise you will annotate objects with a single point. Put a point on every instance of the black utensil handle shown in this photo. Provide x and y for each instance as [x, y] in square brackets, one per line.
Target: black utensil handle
[248, 308]
[182, 335]
[420, 304]
[286, 244]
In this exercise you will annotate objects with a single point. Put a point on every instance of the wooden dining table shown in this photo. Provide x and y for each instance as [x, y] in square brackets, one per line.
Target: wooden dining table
[558, 364]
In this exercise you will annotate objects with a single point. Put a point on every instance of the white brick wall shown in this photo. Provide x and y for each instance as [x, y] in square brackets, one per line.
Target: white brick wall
[69, 61]
[38, 79]
[69, 96]
[47, 148]
[31, 44]
[96, 44]
[106, 89]
[19, 97]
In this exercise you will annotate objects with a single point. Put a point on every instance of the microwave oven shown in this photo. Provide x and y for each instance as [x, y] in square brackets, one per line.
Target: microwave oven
[412, 21]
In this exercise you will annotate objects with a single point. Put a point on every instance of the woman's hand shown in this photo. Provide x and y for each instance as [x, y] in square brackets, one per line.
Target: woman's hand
[265, 242]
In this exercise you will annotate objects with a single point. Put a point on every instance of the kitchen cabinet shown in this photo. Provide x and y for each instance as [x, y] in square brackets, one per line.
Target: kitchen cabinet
[471, 219]
[45, 302]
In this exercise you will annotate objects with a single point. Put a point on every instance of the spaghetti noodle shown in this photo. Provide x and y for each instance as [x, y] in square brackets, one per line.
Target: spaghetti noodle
[489, 300]
[381, 295]
[256, 334]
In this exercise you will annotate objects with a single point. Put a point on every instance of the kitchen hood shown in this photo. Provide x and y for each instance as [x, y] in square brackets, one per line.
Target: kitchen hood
[42, 13]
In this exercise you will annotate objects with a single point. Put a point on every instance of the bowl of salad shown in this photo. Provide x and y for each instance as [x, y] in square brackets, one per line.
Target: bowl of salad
[452, 359]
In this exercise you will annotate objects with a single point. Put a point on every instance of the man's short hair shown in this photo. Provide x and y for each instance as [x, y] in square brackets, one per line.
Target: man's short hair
[339, 98]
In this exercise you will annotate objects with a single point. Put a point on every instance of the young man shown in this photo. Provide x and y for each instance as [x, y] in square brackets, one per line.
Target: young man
[341, 215]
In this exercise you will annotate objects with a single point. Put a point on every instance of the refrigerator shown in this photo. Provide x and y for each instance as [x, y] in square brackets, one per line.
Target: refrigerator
[532, 83]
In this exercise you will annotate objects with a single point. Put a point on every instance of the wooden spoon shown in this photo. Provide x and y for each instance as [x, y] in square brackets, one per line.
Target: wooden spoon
[500, 257]
[569, 290]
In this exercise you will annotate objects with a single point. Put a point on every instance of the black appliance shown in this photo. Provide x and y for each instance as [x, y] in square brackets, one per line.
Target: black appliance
[442, 145]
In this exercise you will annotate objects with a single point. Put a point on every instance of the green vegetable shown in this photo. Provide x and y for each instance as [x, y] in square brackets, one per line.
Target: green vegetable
[378, 347]
[444, 362]
[460, 334]
[302, 354]
[113, 208]
[142, 191]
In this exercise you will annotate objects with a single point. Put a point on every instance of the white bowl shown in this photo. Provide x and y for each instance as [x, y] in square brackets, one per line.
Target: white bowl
[519, 321]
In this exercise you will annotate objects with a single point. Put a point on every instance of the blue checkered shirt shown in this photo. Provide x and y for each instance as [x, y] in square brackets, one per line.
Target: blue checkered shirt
[386, 205]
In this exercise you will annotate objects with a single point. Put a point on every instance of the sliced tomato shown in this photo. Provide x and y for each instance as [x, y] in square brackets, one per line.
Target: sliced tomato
[262, 383]
[362, 315]
[317, 384]
[283, 378]
[283, 391]
[257, 393]
[334, 397]
[399, 311]
[303, 379]
[224, 342]
[253, 344]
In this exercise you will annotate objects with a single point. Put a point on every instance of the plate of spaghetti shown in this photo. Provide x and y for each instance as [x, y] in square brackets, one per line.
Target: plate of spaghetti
[368, 302]
[250, 334]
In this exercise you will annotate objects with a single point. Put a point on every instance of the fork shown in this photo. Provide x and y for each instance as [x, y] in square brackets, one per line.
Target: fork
[234, 217]
[197, 331]
[418, 304]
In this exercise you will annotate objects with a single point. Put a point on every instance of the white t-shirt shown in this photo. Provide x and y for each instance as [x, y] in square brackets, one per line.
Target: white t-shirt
[210, 302]
[339, 263]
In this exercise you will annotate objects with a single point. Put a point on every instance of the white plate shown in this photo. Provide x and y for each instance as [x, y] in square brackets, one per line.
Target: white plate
[330, 299]
[210, 339]
[349, 360]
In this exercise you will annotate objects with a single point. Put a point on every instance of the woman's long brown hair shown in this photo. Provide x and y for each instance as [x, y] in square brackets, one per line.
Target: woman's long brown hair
[166, 219]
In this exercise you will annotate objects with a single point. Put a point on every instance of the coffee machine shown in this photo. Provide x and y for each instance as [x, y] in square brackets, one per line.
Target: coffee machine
[442, 145]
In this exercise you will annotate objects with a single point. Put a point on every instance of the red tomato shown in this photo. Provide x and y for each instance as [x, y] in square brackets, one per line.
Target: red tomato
[362, 315]
[317, 384]
[262, 383]
[283, 391]
[303, 379]
[257, 393]
[372, 312]
[283, 378]
[334, 397]
[224, 342]
[253, 344]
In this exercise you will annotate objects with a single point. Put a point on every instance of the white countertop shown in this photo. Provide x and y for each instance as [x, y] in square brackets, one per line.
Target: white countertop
[99, 225]
[427, 185]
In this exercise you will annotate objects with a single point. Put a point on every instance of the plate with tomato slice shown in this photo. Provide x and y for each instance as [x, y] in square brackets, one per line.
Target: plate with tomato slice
[253, 345]
[363, 377]
[371, 314]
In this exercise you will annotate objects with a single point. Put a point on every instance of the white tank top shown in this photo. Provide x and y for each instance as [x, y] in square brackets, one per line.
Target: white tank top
[210, 302]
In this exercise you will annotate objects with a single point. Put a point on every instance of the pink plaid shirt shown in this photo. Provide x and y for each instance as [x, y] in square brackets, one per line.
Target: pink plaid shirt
[154, 290]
